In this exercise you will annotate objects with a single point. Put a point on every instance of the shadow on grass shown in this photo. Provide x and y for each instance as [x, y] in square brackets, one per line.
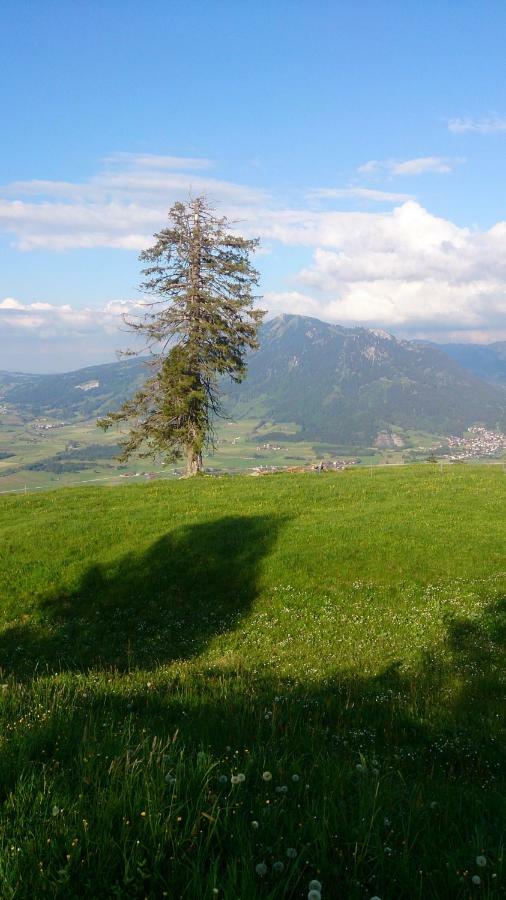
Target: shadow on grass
[406, 766]
[150, 608]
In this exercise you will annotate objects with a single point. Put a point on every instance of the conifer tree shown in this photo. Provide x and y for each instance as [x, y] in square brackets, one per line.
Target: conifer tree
[199, 323]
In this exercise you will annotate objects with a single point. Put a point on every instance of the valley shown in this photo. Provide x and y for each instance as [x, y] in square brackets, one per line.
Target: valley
[313, 392]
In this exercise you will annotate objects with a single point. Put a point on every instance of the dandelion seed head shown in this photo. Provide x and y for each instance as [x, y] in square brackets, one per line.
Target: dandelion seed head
[222, 779]
[476, 879]
[261, 868]
[481, 861]
[295, 777]
[291, 852]
[315, 885]
[278, 867]
[314, 895]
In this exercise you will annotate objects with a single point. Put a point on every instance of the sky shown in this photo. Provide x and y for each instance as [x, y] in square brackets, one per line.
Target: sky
[364, 143]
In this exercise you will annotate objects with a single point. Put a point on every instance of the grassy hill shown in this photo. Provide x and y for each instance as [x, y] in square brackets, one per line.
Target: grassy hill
[344, 633]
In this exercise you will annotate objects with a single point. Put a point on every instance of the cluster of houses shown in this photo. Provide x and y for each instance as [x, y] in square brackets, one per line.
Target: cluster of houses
[49, 426]
[268, 447]
[477, 443]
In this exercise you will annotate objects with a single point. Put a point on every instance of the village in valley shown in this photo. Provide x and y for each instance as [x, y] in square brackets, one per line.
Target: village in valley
[476, 443]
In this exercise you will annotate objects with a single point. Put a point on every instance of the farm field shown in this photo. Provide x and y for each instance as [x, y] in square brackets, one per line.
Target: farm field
[34, 458]
[230, 687]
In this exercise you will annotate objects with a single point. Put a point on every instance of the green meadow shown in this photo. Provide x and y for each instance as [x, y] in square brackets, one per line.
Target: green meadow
[230, 687]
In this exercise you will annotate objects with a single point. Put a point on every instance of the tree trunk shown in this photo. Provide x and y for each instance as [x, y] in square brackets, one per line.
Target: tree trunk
[193, 462]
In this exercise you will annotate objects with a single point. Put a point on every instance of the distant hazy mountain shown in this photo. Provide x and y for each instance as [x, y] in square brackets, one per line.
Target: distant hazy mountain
[345, 385]
[487, 361]
[82, 394]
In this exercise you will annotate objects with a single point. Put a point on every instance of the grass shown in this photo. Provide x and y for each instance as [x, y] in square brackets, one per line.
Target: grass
[345, 632]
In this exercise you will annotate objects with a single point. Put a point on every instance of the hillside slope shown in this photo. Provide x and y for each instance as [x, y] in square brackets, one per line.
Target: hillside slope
[82, 394]
[348, 384]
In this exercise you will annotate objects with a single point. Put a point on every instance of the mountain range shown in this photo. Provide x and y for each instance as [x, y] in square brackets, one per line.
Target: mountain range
[346, 385]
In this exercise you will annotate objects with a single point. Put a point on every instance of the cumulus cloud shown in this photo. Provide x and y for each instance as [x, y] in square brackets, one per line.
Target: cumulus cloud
[408, 270]
[402, 268]
[418, 166]
[491, 125]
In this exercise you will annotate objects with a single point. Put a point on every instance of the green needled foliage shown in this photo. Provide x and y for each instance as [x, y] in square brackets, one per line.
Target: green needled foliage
[198, 326]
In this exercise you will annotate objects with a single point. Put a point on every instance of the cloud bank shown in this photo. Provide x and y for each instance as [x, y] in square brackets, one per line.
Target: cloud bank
[398, 267]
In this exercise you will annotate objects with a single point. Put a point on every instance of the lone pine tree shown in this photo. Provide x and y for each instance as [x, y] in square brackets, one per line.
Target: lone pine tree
[198, 326]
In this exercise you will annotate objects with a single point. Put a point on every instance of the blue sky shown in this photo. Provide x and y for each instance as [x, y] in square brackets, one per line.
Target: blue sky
[363, 142]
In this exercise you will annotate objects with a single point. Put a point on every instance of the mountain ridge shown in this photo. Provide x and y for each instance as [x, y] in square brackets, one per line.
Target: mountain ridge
[330, 381]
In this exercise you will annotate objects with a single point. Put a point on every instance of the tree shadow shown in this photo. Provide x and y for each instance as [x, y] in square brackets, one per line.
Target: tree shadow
[150, 608]
[410, 757]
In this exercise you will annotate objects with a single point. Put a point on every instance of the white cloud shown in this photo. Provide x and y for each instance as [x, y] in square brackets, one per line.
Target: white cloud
[418, 166]
[40, 336]
[492, 125]
[359, 193]
[48, 321]
[154, 161]
[279, 302]
[404, 269]
[407, 270]
[121, 207]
